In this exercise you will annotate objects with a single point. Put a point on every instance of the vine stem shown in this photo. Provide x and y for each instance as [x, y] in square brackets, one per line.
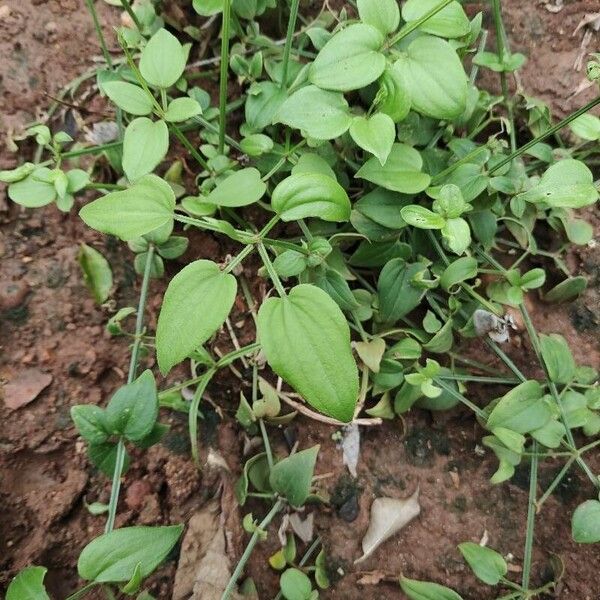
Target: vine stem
[551, 131]
[271, 269]
[250, 547]
[133, 363]
[94, 15]
[288, 42]
[502, 50]
[531, 512]
[127, 7]
[193, 414]
[224, 72]
[416, 24]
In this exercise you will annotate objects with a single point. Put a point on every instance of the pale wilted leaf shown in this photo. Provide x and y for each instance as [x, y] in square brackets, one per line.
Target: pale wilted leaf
[388, 516]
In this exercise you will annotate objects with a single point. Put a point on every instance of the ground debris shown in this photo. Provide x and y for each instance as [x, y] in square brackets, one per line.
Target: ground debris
[25, 387]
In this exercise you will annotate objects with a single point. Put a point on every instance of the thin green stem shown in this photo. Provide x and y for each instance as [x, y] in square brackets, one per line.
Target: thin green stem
[304, 559]
[555, 483]
[133, 362]
[265, 437]
[92, 9]
[224, 73]
[416, 24]
[455, 394]
[482, 379]
[127, 7]
[193, 414]
[271, 270]
[189, 146]
[531, 510]
[551, 131]
[288, 42]
[83, 591]
[105, 186]
[502, 52]
[450, 169]
[250, 547]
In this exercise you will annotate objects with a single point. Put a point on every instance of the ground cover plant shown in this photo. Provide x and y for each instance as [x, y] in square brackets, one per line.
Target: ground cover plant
[398, 212]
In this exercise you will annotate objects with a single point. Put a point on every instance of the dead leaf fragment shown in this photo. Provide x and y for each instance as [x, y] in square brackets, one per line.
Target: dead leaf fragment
[351, 448]
[303, 528]
[25, 387]
[388, 517]
[371, 353]
[204, 568]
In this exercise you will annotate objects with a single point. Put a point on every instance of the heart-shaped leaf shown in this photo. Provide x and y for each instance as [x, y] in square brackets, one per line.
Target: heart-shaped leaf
[374, 134]
[311, 195]
[400, 173]
[144, 207]
[306, 340]
[145, 144]
[196, 304]
[350, 60]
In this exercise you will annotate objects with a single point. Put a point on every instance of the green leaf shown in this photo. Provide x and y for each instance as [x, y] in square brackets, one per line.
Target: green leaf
[586, 127]
[133, 408]
[196, 304]
[550, 435]
[457, 235]
[295, 585]
[114, 556]
[145, 144]
[207, 8]
[421, 217]
[558, 358]
[28, 585]
[131, 98]
[450, 22]
[401, 172]
[585, 526]
[310, 195]
[256, 144]
[335, 285]
[566, 290]
[306, 340]
[34, 191]
[263, 101]
[163, 59]
[458, 271]
[292, 476]
[371, 352]
[374, 134]
[566, 184]
[442, 341]
[381, 14]
[532, 279]
[425, 590]
[318, 113]
[523, 409]
[90, 422]
[242, 188]
[434, 78]
[383, 207]
[393, 97]
[313, 163]
[398, 294]
[139, 210]
[487, 564]
[173, 248]
[350, 60]
[96, 272]
[290, 263]
[182, 109]
[14, 175]
[104, 457]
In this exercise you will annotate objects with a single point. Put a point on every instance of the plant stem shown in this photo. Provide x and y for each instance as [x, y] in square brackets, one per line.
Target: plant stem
[133, 362]
[531, 511]
[271, 270]
[105, 186]
[304, 559]
[416, 24]
[288, 42]
[127, 7]
[92, 9]
[440, 383]
[249, 548]
[555, 483]
[450, 169]
[183, 139]
[551, 131]
[224, 73]
[502, 51]
[193, 414]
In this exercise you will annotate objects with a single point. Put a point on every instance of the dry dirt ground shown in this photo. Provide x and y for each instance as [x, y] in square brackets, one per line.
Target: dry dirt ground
[51, 327]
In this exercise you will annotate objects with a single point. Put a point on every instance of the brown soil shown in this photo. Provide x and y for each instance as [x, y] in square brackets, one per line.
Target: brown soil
[50, 324]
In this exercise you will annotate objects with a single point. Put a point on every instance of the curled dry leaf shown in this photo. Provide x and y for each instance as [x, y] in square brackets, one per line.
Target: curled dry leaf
[351, 448]
[303, 528]
[388, 516]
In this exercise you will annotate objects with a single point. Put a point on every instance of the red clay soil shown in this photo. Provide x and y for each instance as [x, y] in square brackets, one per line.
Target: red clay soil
[50, 325]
